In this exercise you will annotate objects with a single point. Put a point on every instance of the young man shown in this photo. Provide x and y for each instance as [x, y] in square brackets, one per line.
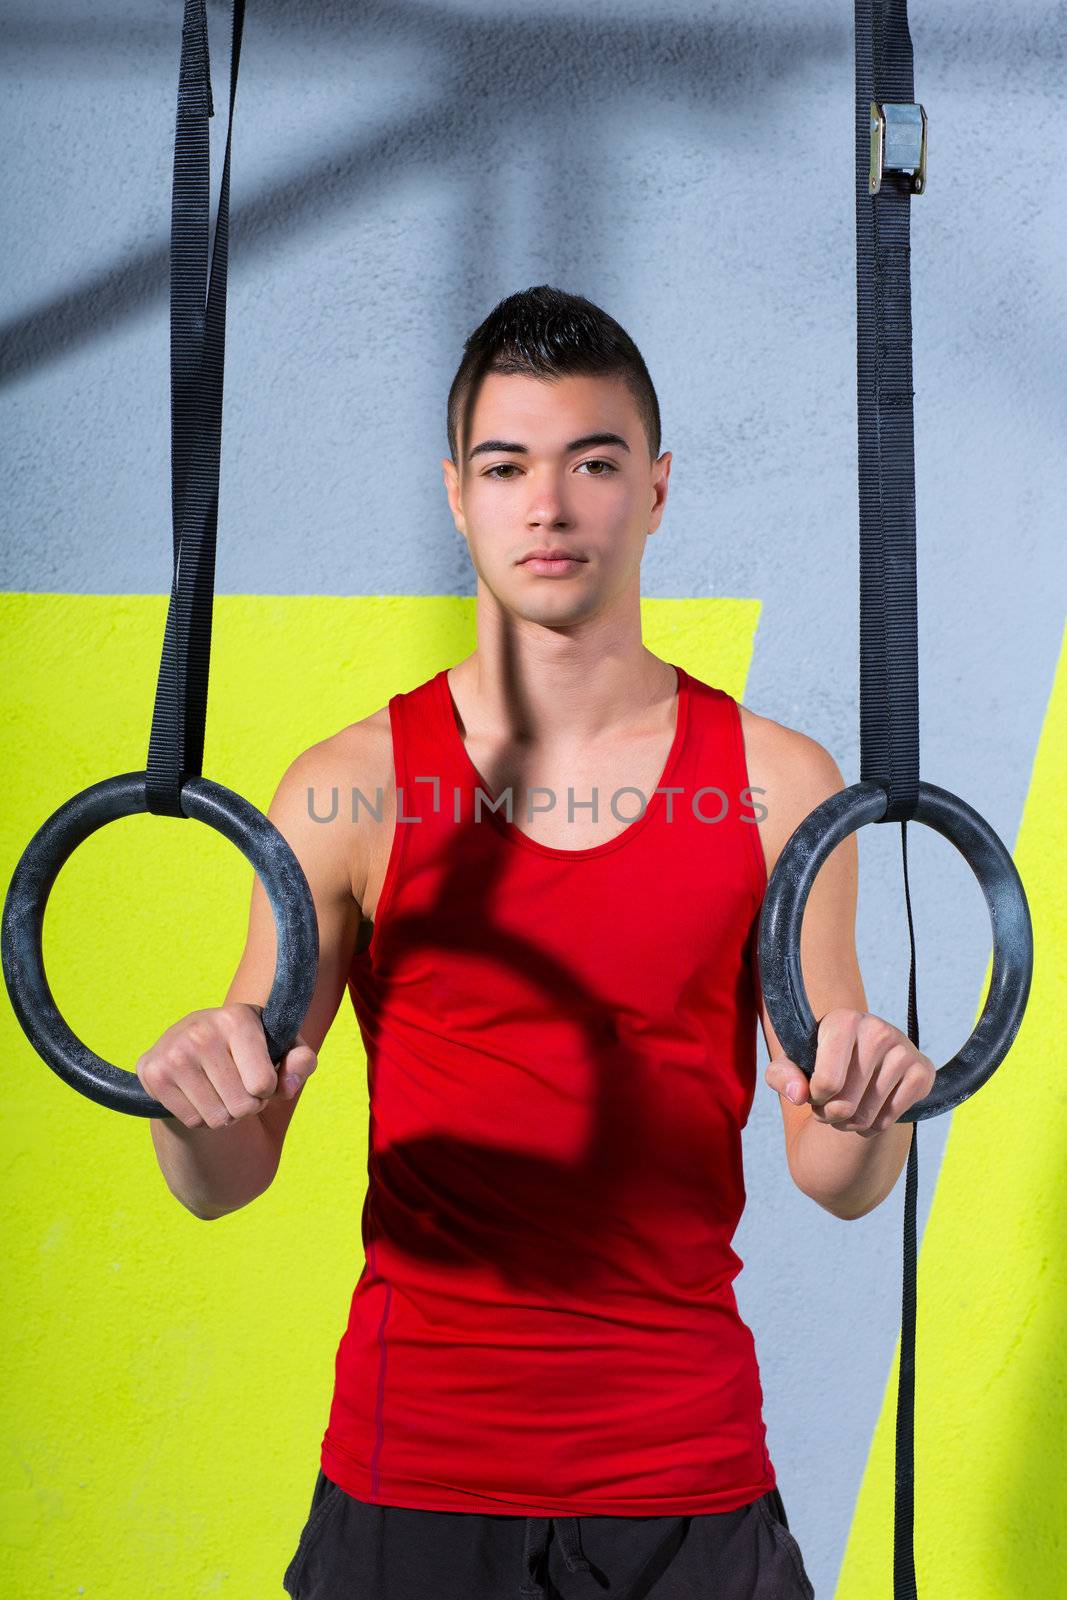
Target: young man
[548, 933]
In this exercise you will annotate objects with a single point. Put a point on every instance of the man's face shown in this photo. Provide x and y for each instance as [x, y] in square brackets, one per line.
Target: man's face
[599, 502]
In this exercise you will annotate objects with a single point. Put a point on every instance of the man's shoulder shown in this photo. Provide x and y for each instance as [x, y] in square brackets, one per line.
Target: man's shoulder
[792, 751]
[360, 752]
[315, 805]
[790, 771]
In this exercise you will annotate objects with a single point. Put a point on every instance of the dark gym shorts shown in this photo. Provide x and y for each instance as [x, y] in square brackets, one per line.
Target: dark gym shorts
[350, 1550]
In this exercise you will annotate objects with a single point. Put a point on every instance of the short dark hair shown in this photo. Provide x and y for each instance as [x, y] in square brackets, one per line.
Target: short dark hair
[548, 333]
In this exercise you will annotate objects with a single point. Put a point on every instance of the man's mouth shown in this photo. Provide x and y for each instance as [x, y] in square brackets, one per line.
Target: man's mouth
[550, 565]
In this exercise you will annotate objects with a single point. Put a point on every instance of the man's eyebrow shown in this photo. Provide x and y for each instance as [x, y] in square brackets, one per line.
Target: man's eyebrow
[585, 443]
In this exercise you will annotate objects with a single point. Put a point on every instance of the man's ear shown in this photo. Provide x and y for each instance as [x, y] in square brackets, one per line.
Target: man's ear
[663, 466]
[452, 489]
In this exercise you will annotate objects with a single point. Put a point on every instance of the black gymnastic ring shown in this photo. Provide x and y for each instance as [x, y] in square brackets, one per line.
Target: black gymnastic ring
[21, 936]
[782, 913]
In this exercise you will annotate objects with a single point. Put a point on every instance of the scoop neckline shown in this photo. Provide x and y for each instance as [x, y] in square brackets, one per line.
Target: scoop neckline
[510, 831]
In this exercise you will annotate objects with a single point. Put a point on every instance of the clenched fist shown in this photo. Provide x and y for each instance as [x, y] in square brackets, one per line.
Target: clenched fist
[867, 1073]
[213, 1068]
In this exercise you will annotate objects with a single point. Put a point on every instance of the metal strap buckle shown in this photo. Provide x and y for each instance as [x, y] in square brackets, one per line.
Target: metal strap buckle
[898, 144]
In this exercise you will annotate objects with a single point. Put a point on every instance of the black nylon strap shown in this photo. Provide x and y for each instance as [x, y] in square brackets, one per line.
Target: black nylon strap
[889, 672]
[198, 340]
[904, 1511]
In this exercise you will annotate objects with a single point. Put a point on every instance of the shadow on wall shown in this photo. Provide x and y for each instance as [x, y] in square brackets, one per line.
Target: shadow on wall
[529, 72]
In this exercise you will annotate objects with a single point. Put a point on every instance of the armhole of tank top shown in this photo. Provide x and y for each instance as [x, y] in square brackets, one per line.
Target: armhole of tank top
[396, 847]
[748, 825]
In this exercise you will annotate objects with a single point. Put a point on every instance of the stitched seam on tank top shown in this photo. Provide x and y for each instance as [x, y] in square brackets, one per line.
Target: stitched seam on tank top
[516, 836]
[374, 1186]
[379, 1395]
[759, 864]
[396, 846]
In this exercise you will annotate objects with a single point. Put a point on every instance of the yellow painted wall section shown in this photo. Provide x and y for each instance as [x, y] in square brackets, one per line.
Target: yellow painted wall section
[990, 1397]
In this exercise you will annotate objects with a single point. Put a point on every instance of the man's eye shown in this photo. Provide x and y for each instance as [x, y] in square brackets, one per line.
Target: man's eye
[510, 466]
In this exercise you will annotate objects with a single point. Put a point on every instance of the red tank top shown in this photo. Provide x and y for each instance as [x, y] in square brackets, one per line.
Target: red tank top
[561, 1050]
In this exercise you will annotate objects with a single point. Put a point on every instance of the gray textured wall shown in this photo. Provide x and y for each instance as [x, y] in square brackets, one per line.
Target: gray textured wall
[398, 168]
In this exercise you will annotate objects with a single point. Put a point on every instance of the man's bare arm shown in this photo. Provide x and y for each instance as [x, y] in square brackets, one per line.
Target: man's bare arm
[217, 1168]
[847, 1172]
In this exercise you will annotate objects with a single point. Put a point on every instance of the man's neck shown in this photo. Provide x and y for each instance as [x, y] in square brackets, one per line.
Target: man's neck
[562, 698]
